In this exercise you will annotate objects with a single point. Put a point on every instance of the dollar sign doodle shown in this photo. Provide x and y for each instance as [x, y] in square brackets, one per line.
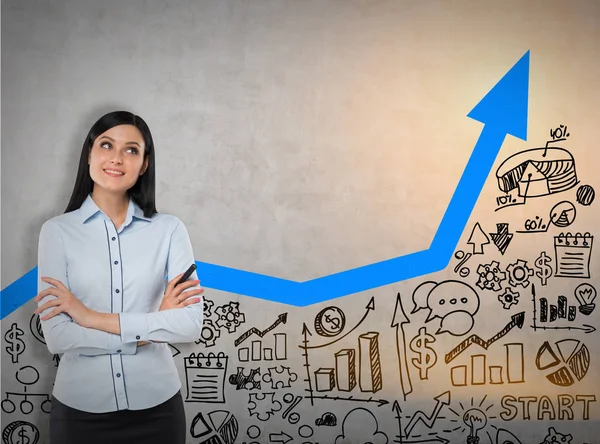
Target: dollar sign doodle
[427, 356]
[334, 321]
[545, 270]
[23, 438]
[15, 345]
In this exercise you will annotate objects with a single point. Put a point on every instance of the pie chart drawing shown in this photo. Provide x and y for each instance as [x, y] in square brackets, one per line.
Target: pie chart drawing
[569, 360]
[563, 214]
[218, 427]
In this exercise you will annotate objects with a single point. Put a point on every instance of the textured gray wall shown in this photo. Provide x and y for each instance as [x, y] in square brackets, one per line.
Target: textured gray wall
[299, 139]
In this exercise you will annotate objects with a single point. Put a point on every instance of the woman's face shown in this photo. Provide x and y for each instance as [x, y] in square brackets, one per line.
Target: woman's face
[119, 149]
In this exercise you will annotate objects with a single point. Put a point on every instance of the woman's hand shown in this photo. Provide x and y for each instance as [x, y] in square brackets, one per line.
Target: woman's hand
[175, 297]
[65, 302]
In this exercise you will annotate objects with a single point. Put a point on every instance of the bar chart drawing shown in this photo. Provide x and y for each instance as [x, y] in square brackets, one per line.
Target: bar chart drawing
[481, 373]
[257, 351]
[554, 312]
[344, 375]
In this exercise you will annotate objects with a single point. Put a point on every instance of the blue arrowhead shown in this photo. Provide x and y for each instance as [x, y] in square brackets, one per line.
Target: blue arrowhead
[505, 107]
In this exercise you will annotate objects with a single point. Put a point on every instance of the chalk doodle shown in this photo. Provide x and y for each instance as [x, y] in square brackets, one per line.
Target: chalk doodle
[519, 273]
[544, 315]
[553, 437]
[454, 302]
[427, 357]
[490, 276]
[399, 320]
[246, 380]
[26, 375]
[229, 316]
[515, 321]
[586, 295]
[513, 371]
[462, 258]
[328, 419]
[15, 345]
[20, 432]
[292, 401]
[571, 356]
[428, 420]
[360, 425]
[563, 214]
[573, 253]
[501, 238]
[542, 263]
[280, 377]
[330, 322]
[474, 419]
[478, 239]
[218, 427]
[263, 405]
[508, 298]
[585, 195]
[345, 362]
[205, 377]
[209, 334]
[562, 406]
[537, 172]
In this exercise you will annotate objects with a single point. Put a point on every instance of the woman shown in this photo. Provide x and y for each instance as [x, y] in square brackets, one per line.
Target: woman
[102, 299]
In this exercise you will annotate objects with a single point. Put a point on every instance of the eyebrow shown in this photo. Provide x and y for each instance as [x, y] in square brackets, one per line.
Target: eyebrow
[112, 140]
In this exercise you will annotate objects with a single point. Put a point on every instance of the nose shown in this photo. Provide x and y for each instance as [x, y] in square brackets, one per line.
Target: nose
[117, 158]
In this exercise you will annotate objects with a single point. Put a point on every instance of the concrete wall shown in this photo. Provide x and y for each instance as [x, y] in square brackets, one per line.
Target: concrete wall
[299, 139]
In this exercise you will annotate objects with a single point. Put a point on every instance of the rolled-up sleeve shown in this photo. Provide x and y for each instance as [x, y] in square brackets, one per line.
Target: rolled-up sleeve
[61, 333]
[178, 325]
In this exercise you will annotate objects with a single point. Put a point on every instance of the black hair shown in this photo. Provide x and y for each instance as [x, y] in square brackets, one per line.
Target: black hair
[143, 192]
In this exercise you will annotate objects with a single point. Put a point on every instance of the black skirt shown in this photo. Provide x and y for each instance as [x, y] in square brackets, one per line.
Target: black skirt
[162, 424]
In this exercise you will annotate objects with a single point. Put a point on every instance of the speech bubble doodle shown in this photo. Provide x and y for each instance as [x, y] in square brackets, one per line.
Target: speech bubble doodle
[456, 323]
[420, 294]
[451, 296]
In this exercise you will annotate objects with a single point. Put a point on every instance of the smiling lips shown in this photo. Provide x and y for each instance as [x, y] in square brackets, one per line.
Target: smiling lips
[114, 173]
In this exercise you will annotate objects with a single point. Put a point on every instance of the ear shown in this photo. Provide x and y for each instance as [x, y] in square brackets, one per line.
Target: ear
[144, 166]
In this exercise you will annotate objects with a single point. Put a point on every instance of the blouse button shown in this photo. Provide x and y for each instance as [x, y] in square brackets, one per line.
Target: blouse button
[118, 351]
[113, 238]
[116, 262]
[137, 337]
[118, 375]
[117, 290]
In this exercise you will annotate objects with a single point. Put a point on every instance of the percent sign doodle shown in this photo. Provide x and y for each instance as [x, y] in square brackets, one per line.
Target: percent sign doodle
[463, 258]
[289, 398]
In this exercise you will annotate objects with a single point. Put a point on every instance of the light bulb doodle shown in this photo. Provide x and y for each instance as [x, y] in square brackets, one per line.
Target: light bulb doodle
[476, 420]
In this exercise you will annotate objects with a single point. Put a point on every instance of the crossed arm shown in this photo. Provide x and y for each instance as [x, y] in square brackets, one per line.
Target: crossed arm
[70, 326]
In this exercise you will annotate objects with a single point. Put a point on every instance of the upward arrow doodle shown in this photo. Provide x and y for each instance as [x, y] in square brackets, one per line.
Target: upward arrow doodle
[398, 321]
[282, 318]
[441, 401]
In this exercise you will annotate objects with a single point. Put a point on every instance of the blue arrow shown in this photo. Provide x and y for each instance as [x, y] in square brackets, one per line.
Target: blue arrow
[504, 110]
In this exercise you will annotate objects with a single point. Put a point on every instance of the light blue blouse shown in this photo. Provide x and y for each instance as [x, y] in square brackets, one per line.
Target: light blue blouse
[121, 271]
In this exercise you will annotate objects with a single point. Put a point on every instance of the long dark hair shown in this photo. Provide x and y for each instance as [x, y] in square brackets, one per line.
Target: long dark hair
[143, 192]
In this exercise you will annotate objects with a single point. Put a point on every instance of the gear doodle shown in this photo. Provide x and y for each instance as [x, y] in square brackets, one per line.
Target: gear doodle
[264, 405]
[246, 382]
[209, 333]
[280, 378]
[207, 309]
[519, 273]
[508, 298]
[229, 316]
[490, 276]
